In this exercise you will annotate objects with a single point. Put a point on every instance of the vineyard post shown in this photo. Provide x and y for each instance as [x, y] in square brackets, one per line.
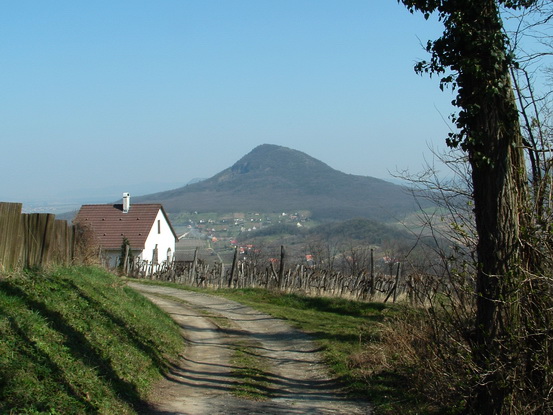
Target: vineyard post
[373, 288]
[234, 259]
[281, 269]
[398, 271]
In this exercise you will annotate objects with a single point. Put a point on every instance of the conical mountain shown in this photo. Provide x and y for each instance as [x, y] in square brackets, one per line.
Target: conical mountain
[278, 179]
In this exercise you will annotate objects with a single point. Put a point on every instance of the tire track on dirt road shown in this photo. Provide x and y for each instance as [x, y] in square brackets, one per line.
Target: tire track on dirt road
[201, 382]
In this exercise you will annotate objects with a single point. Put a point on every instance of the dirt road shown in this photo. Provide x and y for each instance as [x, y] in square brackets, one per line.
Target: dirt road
[201, 383]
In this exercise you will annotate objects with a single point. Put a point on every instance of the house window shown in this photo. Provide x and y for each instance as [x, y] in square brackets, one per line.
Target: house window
[158, 226]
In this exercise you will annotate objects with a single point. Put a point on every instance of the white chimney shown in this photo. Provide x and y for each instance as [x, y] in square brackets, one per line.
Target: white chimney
[126, 202]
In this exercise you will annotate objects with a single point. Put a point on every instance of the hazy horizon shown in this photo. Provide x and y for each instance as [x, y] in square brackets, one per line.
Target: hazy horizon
[63, 202]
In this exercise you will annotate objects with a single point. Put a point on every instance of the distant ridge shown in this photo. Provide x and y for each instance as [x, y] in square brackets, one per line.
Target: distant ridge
[272, 178]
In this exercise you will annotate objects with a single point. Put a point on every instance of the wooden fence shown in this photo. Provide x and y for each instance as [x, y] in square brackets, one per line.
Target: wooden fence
[302, 279]
[33, 240]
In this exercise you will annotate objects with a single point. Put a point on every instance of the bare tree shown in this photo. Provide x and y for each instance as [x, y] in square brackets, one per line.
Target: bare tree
[324, 251]
[355, 258]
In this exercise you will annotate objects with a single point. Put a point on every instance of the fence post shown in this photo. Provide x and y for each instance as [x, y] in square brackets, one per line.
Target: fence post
[397, 280]
[411, 287]
[373, 288]
[281, 268]
[232, 270]
[192, 271]
[126, 260]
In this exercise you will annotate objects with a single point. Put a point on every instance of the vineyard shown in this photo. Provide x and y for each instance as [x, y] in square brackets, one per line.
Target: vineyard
[375, 282]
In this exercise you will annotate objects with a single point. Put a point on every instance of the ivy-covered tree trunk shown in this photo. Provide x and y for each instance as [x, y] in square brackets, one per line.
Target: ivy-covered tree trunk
[494, 145]
[472, 56]
[499, 204]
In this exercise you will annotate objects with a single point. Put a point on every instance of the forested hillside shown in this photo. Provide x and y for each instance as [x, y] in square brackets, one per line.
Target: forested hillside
[277, 179]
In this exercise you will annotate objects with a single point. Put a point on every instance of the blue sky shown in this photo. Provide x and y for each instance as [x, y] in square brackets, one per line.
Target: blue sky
[150, 94]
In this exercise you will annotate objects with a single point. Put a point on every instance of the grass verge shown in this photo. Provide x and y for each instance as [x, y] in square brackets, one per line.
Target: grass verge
[77, 341]
[250, 371]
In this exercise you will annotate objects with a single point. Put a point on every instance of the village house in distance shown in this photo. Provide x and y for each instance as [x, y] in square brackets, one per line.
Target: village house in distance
[146, 226]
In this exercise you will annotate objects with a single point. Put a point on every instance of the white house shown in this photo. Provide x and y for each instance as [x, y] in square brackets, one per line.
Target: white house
[146, 226]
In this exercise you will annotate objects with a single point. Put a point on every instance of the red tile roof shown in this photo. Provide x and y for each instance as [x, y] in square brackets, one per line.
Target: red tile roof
[110, 225]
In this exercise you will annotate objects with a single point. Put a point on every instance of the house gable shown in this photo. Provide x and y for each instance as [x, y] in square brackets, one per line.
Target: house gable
[110, 224]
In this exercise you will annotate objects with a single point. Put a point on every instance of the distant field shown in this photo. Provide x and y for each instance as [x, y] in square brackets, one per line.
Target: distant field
[185, 248]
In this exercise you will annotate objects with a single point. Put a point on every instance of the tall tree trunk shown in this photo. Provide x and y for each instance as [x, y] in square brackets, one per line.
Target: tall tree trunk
[499, 202]
[500, 199]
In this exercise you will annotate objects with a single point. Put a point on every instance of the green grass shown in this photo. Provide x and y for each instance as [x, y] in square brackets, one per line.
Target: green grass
[77, 341]
[250, 372]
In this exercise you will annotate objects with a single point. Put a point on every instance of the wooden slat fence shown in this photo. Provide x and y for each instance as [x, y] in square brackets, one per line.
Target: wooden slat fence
[11, 236]
[33, 240]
